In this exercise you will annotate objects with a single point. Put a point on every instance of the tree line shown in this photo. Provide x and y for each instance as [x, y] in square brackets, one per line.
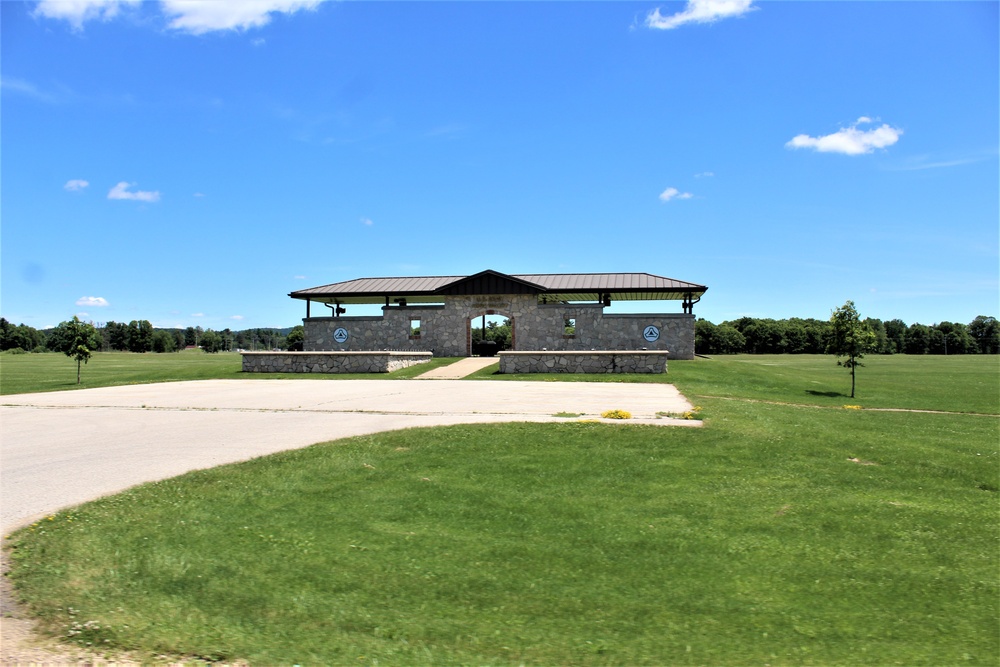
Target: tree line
[141, 336]
[746, 335]
[750, 335]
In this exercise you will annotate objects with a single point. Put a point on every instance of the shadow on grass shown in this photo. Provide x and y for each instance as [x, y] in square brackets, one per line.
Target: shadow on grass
[828, 394]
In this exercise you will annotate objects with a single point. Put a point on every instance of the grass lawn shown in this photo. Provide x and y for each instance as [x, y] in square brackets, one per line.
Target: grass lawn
[27, 373]
[952, 384]
[779, 533]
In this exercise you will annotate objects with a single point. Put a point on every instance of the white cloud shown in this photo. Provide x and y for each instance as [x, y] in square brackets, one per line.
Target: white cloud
[92, 301]
[236, 317]
[197, 314]
[299, 277]
[705, 174]
[120, 191]
[76, 12]
[850, 140]
[199, 194]
[193, 16]
[201, 16]
[367, 222]
[699, 11]
[75, 185]
[674, 193]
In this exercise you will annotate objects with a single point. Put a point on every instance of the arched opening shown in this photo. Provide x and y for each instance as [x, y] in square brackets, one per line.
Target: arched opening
[488, 332]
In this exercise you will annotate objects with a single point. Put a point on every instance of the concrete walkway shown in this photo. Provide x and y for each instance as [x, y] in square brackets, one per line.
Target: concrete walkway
[64, 448]
[459, 369]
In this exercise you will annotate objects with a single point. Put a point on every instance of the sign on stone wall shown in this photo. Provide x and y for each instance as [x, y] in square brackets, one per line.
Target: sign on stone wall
[340, 335]
[651, 333]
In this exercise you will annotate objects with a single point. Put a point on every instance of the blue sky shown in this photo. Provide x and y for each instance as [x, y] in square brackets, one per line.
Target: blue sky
[193, 163]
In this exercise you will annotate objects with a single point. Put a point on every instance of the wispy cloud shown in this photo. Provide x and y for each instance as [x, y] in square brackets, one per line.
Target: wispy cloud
[236, 317]
[705, 174]
[298, 277]
[673, 193]
[367, 222]
[197, 314]
[201, 16]
[27, 89]
[77, 12]
[921, 162]
[121, 191]
[76, 185]
[699, 11]
[92, 301]
[850, 140]
[446, 131]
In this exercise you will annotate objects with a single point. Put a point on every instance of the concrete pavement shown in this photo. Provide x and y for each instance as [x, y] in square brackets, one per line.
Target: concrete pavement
[460, 369]
[63, 448]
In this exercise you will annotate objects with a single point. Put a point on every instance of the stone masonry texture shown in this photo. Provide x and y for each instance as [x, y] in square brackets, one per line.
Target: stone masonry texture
[444, 329]
[583, 362]
[330, 362]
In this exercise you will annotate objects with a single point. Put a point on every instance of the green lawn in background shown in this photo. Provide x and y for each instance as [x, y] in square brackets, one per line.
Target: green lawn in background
[953, 383]
[27, 373]
[775, 534]
[930, 382]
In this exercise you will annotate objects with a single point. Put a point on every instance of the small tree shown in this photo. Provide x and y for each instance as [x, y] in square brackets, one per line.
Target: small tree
[850, 338]
[295, 339]
[78, 340]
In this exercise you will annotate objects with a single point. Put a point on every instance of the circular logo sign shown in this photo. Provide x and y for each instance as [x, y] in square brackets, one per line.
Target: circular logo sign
[340, 335]
[651, 333]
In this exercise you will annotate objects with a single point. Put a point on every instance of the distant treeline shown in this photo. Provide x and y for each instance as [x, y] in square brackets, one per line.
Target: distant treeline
[140, 336]
[746, 335]
[808, 336]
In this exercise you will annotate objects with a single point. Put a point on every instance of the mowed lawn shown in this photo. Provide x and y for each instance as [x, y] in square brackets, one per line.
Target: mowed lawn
[52, 371]
[28, 373]
[788, 530]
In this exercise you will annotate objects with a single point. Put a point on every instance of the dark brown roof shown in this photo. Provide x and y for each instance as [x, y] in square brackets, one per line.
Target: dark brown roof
[554, 287]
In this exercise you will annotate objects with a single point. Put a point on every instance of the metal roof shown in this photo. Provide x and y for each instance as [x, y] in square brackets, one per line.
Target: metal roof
[553, 287]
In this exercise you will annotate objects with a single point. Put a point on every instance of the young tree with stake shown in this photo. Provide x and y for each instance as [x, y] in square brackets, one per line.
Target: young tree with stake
[850, 338]
[78, 340]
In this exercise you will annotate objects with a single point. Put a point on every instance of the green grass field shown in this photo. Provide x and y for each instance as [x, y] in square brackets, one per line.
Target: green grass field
[28, 373]
[787, 530]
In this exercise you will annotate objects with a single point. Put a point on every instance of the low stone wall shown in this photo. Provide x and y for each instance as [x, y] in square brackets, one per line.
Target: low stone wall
[331, 362]
[621, 361]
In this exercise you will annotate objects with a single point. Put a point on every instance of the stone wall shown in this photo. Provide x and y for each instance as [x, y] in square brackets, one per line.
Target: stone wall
[444, 329]
[583, 362]
[330, 362]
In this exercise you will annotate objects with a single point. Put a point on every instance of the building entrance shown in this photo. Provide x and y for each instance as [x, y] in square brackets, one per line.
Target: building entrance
[489, 332]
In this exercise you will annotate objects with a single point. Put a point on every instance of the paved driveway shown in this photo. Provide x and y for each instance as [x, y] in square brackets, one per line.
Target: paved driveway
[63, 448]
